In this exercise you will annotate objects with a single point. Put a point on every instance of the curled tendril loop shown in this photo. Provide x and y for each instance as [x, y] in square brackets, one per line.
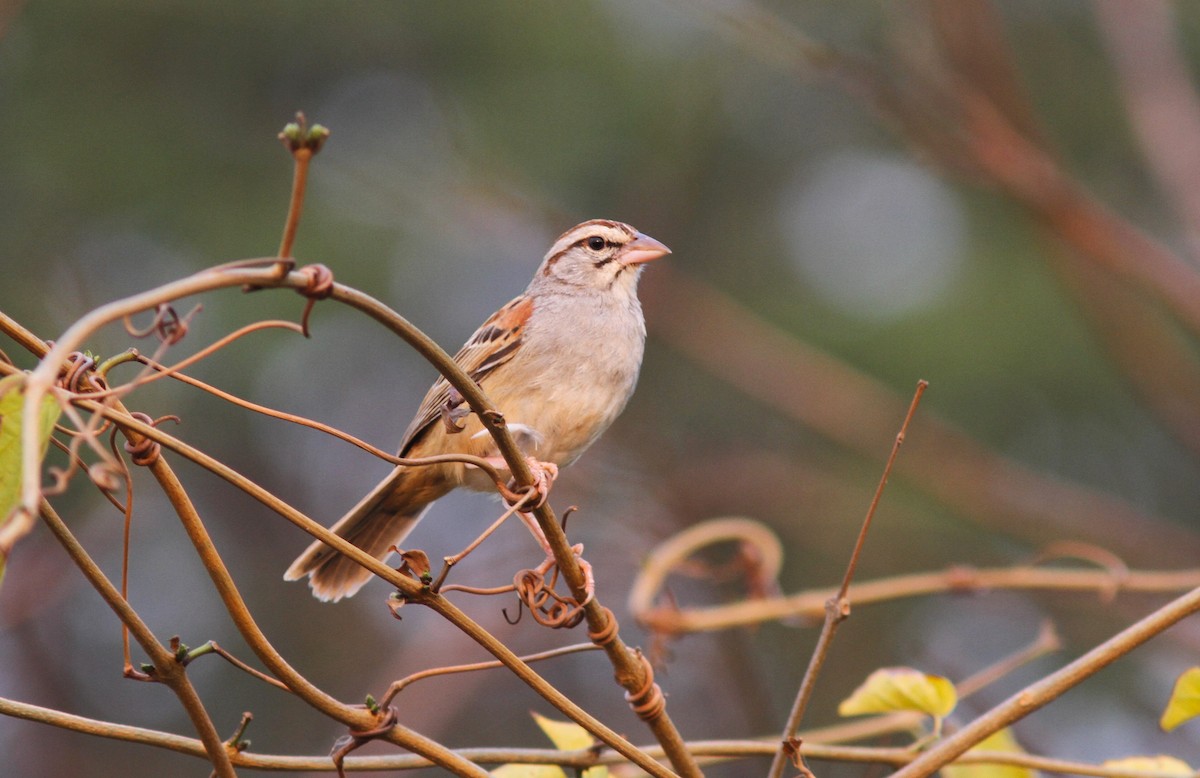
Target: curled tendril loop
[319, 287]
[146, 451]
[606, 635]
[547, 607]
[167, 325]
[356, 738]
[647, 702]
[320, 281]
[78, 374]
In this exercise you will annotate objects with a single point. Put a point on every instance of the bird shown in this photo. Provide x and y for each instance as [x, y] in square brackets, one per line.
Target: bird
[560, 362]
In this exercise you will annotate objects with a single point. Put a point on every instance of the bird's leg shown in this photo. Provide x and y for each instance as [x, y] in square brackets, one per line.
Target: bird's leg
[544, 475]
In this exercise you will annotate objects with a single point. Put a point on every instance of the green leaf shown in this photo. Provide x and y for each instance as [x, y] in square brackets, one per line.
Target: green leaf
[1185, 700]
[12, 405]
[901, 688]
[1168, 765]
[1002, 741]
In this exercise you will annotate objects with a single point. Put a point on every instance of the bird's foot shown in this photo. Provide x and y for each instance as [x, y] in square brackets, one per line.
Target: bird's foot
[544, 476]
[535, 495]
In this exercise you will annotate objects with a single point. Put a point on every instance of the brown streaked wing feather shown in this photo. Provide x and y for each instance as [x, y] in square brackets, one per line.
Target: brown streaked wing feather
[493, 344]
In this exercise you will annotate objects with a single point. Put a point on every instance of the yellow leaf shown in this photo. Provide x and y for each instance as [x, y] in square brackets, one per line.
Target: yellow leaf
[1002, 741]
[528, 771]
[1152, 764]
[901, 688]
[12, 404]
[569, 736]
[1185, 700]
[566, 736]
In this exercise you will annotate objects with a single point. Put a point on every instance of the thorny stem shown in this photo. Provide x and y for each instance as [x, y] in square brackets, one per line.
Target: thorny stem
[837, 609]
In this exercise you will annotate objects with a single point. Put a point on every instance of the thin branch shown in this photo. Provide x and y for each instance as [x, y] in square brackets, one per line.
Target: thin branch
[211, 647]
[433, 672]
[1047, 641]
[712, 750]
[239, 612]
[303, 142]
[1051, 687]
[257, 272]
[673, 552]
[955, 580]
[159, 371]
[411, 589]
[837, 608]
[167, 670]
[477, 462]
[629, 669]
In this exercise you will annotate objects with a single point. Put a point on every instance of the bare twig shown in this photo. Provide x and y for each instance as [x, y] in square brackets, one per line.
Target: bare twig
[303, 142]
[433, 672]
[478, 462]
[1046, 642]
[166, 669]
[837, 608]
[673, 552]
[211, 647]
[630, 670]
[1052, 686]
[711, 750]
[961, 579]
[410, 589]
[41, 380]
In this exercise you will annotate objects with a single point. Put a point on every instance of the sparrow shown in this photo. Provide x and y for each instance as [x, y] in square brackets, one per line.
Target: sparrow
[559, 362]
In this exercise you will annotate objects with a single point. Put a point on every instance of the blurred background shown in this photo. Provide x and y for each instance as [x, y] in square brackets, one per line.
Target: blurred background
[1001, 199]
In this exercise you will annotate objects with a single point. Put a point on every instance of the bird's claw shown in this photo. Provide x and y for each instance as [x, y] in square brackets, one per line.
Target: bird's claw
[544, 475]
[589, 575]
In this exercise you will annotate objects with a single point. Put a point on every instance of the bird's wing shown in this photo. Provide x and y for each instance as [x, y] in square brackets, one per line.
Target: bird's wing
[494, 343]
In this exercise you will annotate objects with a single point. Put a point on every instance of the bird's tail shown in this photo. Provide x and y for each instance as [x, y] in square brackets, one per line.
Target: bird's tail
[381, 520]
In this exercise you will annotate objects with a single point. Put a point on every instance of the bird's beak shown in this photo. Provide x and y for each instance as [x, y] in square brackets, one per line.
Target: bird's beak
[641, 249]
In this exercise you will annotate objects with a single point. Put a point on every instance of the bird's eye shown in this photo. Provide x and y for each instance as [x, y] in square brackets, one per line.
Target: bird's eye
[596, 243]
